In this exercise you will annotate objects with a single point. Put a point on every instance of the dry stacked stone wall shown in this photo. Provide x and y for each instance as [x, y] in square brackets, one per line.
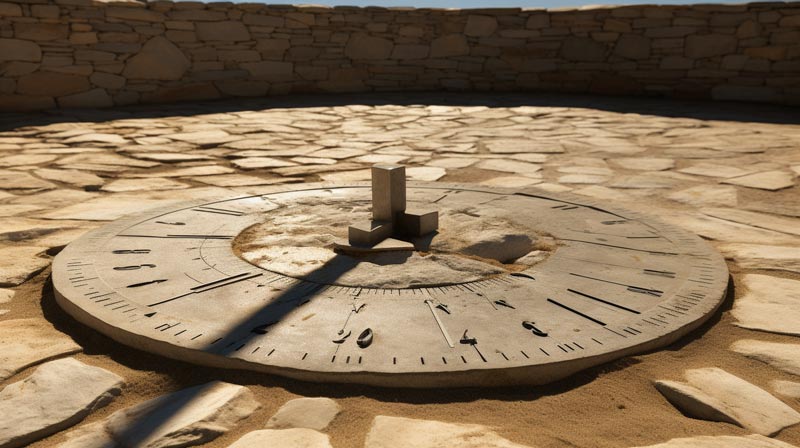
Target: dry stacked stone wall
[83, 53]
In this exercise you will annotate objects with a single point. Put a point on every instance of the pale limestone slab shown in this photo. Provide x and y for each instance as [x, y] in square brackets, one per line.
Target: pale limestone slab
[784, 357]
[726, 231]
[76, 178]
[127, 185]
[644, 163]
[591, 170]
[7, 210]
[642, 181]
[716, 395]
[386, 158]
[191, 416]
[510, 181]
[252, 163]
[27, 342]
[768, 180]
[313, 160]
[26, 159]
[582, 179]
[18, 180]
[399, 432]
[757, 256]
[755, 219]
[347, 176]
[715, 170]
[707, 195]
[239, 180]
[57, 395]
[601, 192]
[452, 162]
[305, 170]
[283, 438]
[6, 295]
[311, 413]
[210, 137]
[770, 304]
[786, 388]
[751, 441]
[192, 171]
[425, 173]
[115, 161]
[170, 157]
[509, 166]
[19, 263]
[57, 198]
[99, 138]
[510, 146]
[106, 208]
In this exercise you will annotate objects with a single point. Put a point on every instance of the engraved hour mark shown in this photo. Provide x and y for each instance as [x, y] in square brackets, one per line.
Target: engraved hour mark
[151, 282]
[134, 267]
[130, 251]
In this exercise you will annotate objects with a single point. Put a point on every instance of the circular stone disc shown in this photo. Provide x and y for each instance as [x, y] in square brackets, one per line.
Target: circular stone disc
[174, 281]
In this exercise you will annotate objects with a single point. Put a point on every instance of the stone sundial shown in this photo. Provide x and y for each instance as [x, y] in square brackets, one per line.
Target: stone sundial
[430, 285]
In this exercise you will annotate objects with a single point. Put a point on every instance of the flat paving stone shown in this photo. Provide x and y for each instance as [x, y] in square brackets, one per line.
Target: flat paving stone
[726, 231]
[252, 163]
[283, 438]
[768, 180]
[707, 195]
[191, 171]
[715, 170]
[27, 342]
[128, 185]
[19, 263]
[57, 395]
[782, 356]
[644, 163]
[510, 182]
[399, 432]
[6, 295]
[76, 178]
[18, 180]
[770, 304]
[425, 173]
[312, 413]
[757, 256]
[786, 388]
[511, 146]
[716, 395]
[751, 441]
[189, 417]
[755, 219]
[510, 166]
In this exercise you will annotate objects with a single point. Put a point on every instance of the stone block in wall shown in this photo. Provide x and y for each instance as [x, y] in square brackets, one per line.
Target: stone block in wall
[311, 73]
[274, 71]
[19, 50]
[40, 31]
[676, 63]
[186, 92]
[784, 37]
[363, 46]
[632, 46]
[299, 20]
[302, 53]
[20, 103]
[15, 69]
[234, 87]
[411, 31]
[96, 98]
[227, 31]
[770, 53]
[107, 81]
[83, 38]
[158, 59]
[410, 52]
[272, 48]
[480, 26]
[616, 25]
[263, 20]
[790, 21]
[709, 45]
[140, 13]
[45, 11]
[670, 31]
[537, 21]
[582, 49]
[196, 15]
[747, 29]
[734, 62]
[345, 80]
[51, 84]
[449, 46]
[10, 10]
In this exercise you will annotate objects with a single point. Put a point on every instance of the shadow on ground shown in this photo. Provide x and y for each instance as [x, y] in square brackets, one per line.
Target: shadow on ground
[702, 110]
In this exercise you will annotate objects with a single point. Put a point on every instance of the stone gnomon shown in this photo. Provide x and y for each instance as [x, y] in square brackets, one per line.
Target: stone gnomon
[169, 281]
[389, 215]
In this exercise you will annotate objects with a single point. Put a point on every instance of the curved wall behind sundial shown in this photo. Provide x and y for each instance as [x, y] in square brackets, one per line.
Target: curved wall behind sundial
[618, 283]
[85, 53]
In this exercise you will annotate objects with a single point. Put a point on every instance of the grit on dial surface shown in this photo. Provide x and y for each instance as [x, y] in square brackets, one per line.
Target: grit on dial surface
[518, 287]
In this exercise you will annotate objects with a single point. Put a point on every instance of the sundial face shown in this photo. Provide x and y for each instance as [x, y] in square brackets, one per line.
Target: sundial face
[517, 287]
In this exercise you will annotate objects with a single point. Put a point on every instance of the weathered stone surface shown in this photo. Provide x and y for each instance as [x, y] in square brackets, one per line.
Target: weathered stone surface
[757, 256]
[27, 342]
[789, 226]
[222, 31]
[716, 395]
[18, 264]
[158, 59]
[19, 50]
[298, 438]
[769, 304]
[632, 46]
[708, 45]
[397, 432]
[785, 357]
[6, 295]
[644, 163]
[191, 416]
[449, 46]
[56, 396]
[95, 98]
[480, 26]
[582, 49]
[769, 180]
[40, 31]
[77, 178]
[751, 441]
[705, 195]
[362, 46]
[786, 388]
[270, 70]
[311, 413]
